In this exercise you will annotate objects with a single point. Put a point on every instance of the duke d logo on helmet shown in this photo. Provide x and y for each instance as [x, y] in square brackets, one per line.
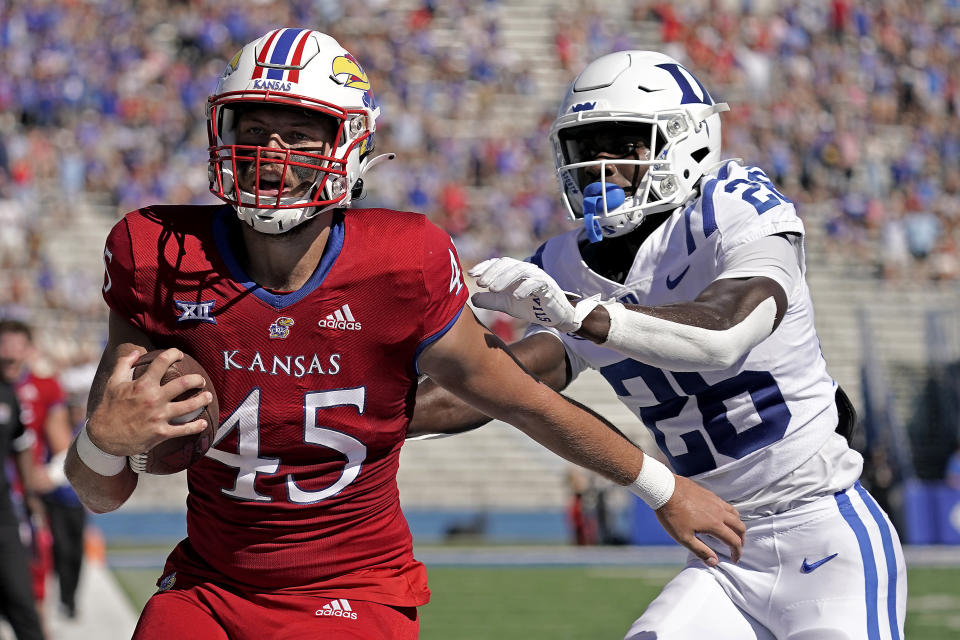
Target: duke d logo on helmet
[689, 95]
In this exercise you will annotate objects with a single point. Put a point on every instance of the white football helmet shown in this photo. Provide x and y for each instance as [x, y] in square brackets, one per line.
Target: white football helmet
[650, 98]
[292, 68]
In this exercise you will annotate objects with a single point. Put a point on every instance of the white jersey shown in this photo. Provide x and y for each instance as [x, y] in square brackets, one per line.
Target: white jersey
[750, 433]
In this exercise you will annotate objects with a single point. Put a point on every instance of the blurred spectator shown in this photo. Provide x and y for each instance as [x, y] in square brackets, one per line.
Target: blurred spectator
[17, 603]
[601, 496]
[923, 230]
[860, 109]
[580, 517]
[592, 517]
[65, 512]
[881, 478]
[945, 259]
[44, 414]
[896, 259]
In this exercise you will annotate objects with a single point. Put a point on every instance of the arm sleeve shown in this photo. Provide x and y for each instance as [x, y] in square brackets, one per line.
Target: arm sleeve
[55, 394]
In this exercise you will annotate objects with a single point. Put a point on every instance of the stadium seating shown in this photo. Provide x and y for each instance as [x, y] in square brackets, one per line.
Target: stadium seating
[479, 81]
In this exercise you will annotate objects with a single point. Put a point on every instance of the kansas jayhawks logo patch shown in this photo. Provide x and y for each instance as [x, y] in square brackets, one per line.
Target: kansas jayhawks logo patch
[347, 71]
[232, 65]
[280, 328]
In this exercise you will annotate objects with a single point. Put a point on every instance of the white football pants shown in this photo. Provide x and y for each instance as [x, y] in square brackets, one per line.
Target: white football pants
[832, 569]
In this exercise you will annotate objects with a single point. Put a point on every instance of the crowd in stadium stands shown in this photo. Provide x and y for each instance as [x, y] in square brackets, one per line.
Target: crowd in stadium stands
[853, 107]
[850, 106]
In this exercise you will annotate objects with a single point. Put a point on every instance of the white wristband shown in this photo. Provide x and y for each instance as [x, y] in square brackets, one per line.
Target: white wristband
[655, 483]
[103, 463]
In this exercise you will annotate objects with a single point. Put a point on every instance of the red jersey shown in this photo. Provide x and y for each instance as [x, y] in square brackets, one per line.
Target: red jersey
[37, 397]
[316, 390]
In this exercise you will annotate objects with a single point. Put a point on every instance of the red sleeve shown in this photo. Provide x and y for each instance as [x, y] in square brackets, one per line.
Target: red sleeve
[119, 279]
[53, 393]
[443, 280]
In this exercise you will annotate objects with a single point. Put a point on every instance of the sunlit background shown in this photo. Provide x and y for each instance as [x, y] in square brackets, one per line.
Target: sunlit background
[851, 107]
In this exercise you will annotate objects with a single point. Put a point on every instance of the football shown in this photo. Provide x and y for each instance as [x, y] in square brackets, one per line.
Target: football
[176, 454]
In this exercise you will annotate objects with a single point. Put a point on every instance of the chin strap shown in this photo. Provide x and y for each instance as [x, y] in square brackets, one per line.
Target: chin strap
[373, 162]
[701, 116]
[357, 191]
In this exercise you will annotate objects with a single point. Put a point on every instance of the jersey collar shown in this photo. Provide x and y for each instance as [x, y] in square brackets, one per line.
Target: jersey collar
[221, 235]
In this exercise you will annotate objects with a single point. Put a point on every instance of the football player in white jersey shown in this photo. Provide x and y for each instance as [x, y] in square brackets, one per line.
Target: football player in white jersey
[683, 285]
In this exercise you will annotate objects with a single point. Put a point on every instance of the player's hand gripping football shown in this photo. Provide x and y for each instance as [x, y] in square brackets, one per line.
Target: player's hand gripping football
[134, 415]
[527, 292]
[693, 510]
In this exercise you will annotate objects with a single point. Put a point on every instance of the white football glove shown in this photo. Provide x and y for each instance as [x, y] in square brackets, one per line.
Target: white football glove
[527, 292]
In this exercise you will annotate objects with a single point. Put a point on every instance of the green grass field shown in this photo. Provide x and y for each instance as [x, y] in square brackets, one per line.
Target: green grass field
[541, 603]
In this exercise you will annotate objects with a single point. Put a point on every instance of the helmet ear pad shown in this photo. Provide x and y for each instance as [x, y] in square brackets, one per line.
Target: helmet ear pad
[637, 91]
[292, 69]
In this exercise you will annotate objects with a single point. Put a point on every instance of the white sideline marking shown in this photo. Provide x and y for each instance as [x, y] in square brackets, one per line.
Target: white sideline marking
[103, 611]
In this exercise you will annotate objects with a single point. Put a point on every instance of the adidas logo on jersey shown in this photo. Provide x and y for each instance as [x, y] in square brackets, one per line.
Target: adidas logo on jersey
[342, 318]
[338, 609]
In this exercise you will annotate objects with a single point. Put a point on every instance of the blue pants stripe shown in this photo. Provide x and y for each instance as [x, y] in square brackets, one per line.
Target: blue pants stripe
[869, 564]
[889, 555]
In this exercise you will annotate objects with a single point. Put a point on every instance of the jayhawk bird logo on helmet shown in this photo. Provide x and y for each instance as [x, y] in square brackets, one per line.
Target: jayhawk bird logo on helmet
[310, 71]
[347, 71]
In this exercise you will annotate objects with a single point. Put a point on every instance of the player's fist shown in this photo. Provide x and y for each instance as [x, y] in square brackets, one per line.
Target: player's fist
[176, 454]
[135, 415]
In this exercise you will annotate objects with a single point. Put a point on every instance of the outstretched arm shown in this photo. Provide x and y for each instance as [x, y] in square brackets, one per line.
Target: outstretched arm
[438, 411]
[473, 363]
[727, 319]
[712, 332]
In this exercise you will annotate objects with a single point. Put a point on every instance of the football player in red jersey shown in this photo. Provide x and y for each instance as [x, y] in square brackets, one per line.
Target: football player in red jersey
[56, 526]
[314, 322]
[17, 603]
